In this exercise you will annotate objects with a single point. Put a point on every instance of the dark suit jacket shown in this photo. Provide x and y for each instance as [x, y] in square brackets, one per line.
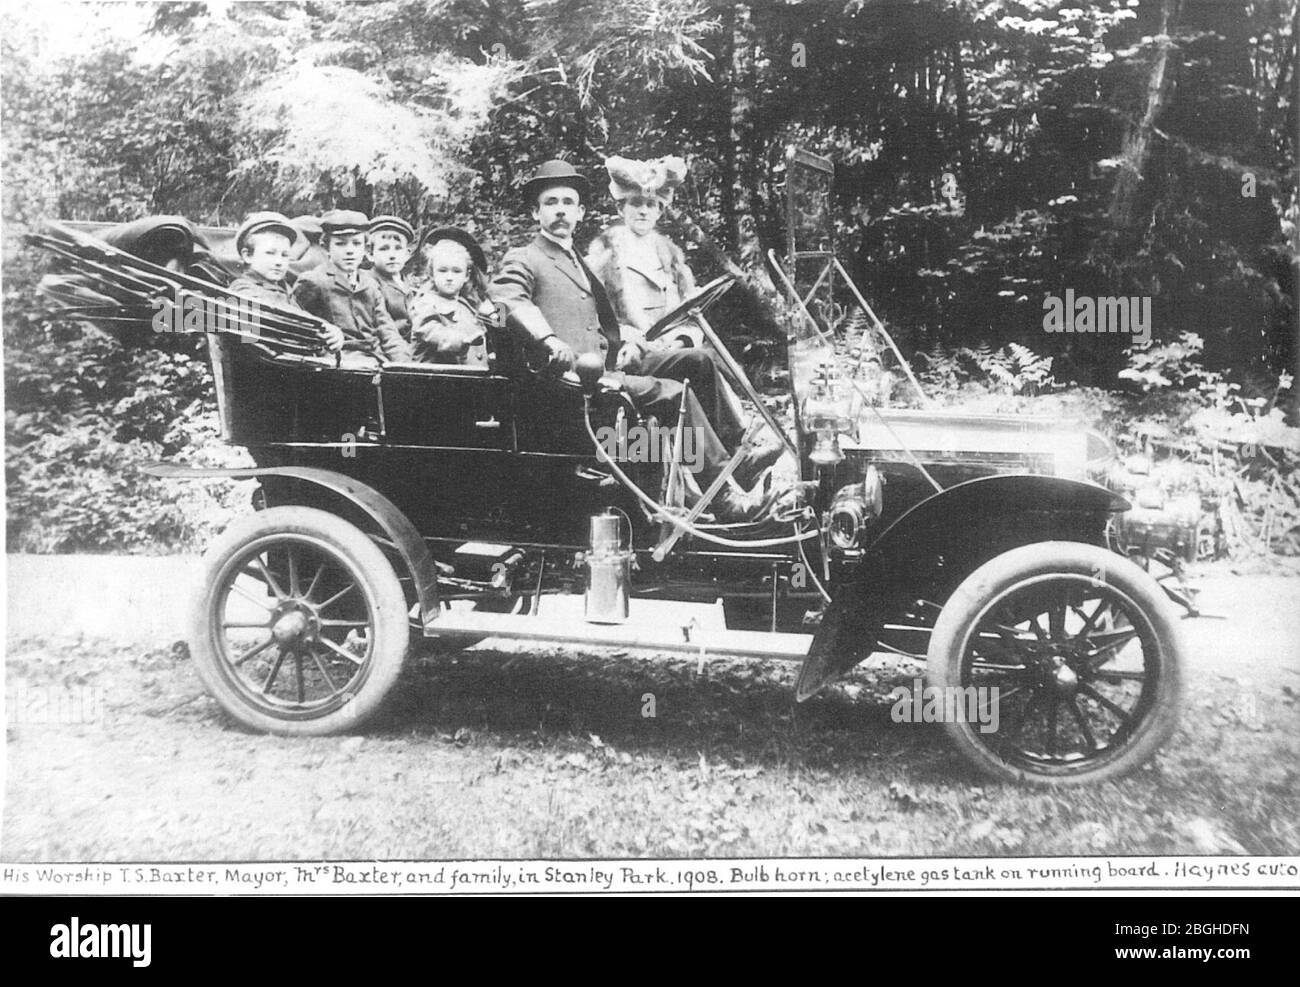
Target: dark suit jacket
[544, 292]
[325, 292]
[275, 292]
[396, 300]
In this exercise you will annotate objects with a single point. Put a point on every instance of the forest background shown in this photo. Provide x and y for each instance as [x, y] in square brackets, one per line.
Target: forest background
[988, 154]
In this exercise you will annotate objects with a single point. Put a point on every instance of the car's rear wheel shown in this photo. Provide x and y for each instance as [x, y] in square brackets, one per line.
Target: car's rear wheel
[300, 623]
[1060, 663]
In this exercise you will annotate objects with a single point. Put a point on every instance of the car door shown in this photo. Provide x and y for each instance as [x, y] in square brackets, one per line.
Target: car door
[447, 407]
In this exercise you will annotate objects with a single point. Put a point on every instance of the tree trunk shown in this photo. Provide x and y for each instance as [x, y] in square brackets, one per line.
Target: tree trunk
[1137, 141]
[965, 152]
[726, 145]
[742, 232]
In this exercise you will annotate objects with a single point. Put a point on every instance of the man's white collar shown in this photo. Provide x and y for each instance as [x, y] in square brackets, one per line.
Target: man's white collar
[566, 246]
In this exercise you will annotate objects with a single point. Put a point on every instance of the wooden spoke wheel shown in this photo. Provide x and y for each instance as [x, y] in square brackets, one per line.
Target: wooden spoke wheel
[300, 625]
[1061, 661]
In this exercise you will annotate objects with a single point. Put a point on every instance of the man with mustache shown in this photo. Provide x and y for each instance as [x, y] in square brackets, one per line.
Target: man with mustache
[549, 294]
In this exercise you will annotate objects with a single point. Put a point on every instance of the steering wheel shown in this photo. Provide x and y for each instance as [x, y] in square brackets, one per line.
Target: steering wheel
[703, 298]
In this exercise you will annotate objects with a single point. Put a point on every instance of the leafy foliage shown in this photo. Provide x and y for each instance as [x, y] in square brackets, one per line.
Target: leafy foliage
[82, 414]
[1166, 364]
[1013, 369]
[985, 152]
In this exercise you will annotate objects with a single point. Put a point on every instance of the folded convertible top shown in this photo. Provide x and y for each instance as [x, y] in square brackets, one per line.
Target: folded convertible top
[119, 283]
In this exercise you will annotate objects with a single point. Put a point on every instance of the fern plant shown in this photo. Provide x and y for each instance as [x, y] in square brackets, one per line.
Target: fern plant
[1013, 369]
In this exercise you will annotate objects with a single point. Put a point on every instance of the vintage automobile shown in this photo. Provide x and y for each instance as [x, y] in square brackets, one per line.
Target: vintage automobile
[415, 501]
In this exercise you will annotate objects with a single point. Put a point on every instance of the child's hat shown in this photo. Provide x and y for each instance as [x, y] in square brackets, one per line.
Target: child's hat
[476, 253]
[260, 222]
[656, 179]
[343, 221]
[394, 223]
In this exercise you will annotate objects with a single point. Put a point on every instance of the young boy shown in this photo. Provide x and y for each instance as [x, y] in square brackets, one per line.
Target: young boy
[337, 293]
[445, 325]
[389, 248]
[265, 243]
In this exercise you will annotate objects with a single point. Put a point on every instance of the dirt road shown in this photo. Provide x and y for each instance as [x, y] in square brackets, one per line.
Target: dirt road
[511, 752]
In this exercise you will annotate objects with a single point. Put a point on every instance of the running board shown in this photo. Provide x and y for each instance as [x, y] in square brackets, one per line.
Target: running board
[660, 636]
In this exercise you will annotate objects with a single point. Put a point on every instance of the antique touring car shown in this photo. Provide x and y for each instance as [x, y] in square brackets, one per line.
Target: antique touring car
[460, 503]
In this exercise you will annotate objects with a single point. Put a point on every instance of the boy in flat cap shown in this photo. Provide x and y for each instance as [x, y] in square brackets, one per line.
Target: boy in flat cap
[265, 242]
[337, 293]
[389, 250]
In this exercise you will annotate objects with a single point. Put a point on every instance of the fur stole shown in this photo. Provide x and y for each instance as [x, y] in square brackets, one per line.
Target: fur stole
[605, 258]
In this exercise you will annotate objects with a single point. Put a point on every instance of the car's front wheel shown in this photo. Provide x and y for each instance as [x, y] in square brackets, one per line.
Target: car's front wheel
[1057, 664]
[300, 623]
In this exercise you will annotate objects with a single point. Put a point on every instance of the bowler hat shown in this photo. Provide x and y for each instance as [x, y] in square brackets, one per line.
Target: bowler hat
[261, 222]
[476, 253]
[343, 221]
[555, 172]
[394, 223]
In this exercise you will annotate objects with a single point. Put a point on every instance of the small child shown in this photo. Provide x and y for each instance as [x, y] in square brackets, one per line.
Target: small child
[445, 324]
[389, 249]
[265, 243]
[337, 293]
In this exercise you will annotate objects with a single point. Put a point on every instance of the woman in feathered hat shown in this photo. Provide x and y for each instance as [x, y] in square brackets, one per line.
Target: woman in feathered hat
[643, 271]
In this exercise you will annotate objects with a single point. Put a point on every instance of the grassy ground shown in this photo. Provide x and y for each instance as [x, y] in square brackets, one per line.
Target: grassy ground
[511, 753]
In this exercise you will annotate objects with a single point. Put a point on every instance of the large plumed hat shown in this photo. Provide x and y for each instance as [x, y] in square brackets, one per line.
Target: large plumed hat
[555, 172]
[658, 178]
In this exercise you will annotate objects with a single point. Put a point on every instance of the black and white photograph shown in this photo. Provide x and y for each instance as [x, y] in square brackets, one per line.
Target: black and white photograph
[538, 447]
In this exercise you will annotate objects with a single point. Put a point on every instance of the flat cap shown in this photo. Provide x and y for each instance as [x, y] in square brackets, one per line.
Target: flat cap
[394, 223]
[260, 222]
[344, 221]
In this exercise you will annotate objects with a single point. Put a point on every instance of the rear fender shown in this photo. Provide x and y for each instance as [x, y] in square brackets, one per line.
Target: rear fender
[397, 529]
[926, 551]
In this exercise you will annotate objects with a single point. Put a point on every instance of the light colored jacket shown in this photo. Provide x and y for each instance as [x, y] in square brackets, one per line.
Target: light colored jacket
[642, 285]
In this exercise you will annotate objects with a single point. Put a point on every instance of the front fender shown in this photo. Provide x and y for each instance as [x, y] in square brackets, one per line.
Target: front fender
[938, 542]
[983, 501]
[396, 527]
